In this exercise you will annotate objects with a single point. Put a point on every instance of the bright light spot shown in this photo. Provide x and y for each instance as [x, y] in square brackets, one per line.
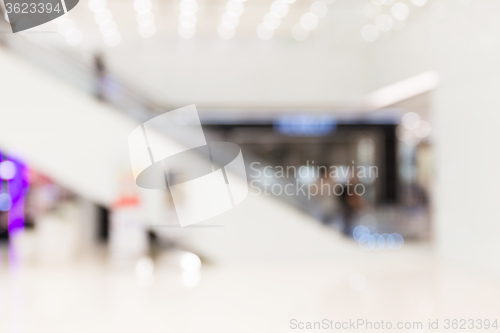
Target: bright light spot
[371, 11]
[288, 1]
[319, 8]
[279, 8]
[384, 22]
[190, 262]
[144, 268]
[96, 5]
[265, 31]
[309, 21]
[74, 37]
[410, 120]
[419, 3]
[226, 32]
[145, 18]
[147, 31]
[235, 8]
[273, 20]
[113, 39]
[188, 6]
[7, 170]
[5, 202]
[191, 279]
[423, 129]
[398, 241]
[230, 20]
[299, 33]
[187, 32]
[390, 241]
[329, 2]
[108, 28]
[370, 33]
[380, 241]
[66, 26]
[102, 16]
[359, 231]
[357, 281]
[400, 11]
[142, 5]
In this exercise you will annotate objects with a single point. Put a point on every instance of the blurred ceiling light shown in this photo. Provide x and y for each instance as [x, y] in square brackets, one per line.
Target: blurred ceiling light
[419, 3]
[190, 262]
[309, 21]
[142, 5]
[378, 2]
[371, 11]
[188, 6]
[96, 5]
[104, 19]
[272, 20]
[279, 8]
[299, 33]
[265, 31]
[7, 170]
[145, 18]
[66, 26]
[384, 22]
[230, 20]
[187, 18]
[226, 32]
[403, 90]
[186, 32]
[108, 28]
[102, 16]
[370, 33]
[235, 8]
[400, 10]
[423, 129]
[319, 8]
[410, 120]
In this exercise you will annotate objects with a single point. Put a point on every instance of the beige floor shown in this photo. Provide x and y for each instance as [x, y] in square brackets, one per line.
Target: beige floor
[91, 296]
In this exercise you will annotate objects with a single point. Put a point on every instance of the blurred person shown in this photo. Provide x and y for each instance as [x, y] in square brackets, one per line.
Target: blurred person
[351, 203]
[100, 75]
[327, 203]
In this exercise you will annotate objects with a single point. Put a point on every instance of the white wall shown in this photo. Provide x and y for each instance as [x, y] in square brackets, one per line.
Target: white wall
[463, 47]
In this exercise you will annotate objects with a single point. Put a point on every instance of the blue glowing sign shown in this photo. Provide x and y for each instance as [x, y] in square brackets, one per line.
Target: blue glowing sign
[305, 125]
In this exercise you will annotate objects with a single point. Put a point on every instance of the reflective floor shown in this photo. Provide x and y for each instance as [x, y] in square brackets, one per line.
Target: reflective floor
[93, 296]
